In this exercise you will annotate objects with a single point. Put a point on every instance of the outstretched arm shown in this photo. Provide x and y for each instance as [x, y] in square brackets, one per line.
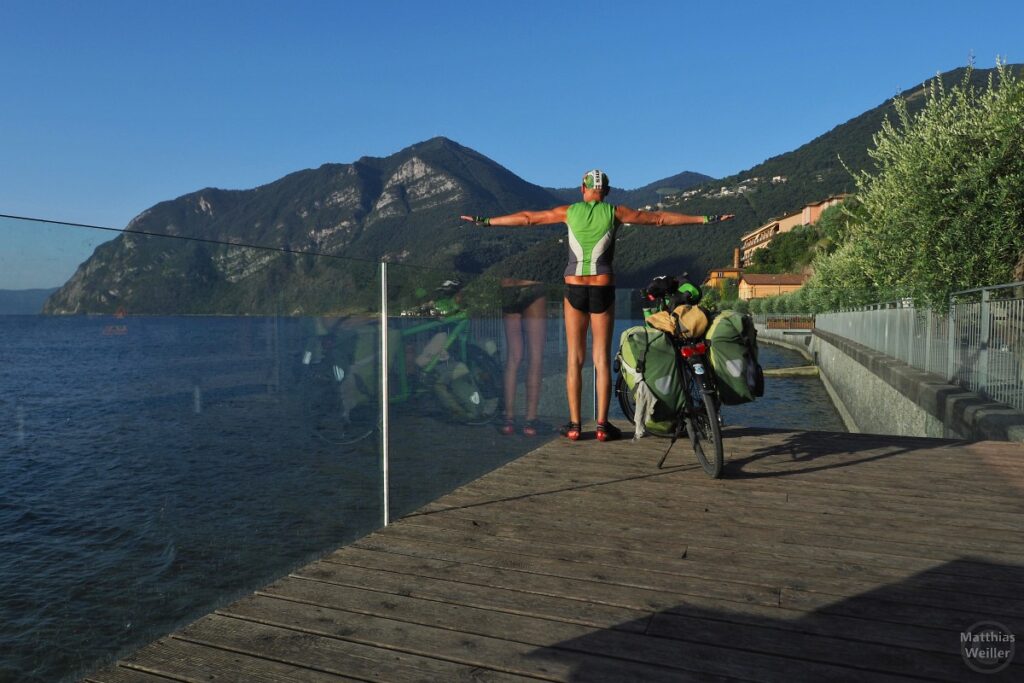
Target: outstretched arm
[555, 215]
[627, 215]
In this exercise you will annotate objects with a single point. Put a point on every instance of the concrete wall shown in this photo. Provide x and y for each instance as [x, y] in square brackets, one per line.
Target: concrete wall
[868, 401]
[881, 395]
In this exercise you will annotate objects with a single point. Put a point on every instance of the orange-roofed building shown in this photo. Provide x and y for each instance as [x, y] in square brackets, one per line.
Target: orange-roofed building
[717, 277]
[758, 285]
[812, 212]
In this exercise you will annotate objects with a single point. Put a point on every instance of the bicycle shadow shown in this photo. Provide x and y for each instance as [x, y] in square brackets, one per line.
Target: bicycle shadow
[803, 452]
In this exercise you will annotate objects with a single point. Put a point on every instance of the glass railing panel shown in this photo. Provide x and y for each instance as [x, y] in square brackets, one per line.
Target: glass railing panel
[477, 377]
[180, 423]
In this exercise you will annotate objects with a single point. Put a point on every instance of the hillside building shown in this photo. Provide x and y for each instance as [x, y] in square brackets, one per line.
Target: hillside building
[761, 237]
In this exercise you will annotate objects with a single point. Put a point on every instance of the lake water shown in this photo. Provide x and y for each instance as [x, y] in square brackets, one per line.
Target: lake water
[152, 469]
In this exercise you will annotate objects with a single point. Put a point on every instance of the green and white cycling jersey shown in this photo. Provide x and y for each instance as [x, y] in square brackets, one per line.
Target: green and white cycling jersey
[591, 242]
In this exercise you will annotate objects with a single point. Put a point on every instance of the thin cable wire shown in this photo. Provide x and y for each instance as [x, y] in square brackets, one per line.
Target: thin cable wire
[245, 245]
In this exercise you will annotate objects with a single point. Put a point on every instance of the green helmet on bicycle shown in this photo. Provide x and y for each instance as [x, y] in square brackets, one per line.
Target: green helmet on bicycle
[689, 294]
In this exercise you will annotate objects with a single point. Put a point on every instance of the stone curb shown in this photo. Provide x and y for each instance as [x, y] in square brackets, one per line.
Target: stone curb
[967, 413]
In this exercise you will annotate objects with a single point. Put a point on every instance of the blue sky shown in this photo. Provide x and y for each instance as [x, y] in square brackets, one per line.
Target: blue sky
[109, 107]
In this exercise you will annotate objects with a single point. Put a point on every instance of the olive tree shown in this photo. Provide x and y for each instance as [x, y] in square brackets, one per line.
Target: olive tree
[944, 209]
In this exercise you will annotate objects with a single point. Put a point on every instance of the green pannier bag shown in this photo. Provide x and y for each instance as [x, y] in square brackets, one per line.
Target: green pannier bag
[647, 361]
[733, 350]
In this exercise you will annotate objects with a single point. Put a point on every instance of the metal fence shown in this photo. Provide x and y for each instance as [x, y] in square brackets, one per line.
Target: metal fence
[978, 343]
[784, 321]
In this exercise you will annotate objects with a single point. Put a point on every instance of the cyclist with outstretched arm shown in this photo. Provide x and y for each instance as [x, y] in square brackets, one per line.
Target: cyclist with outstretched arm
[590, 283]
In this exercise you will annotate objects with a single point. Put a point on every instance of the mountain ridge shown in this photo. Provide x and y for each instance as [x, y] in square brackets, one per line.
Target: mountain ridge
[404, 209]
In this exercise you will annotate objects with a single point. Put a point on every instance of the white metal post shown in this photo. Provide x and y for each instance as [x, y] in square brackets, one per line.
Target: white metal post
[983, 343]
[912, 325]
[951, 333]
[385, 394]
[927, 367]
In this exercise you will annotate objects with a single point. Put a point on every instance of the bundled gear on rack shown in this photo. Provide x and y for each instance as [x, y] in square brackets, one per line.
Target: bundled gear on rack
[647, 355]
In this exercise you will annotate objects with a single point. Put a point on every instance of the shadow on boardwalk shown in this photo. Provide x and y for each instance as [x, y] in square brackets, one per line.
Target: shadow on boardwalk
[909, 628]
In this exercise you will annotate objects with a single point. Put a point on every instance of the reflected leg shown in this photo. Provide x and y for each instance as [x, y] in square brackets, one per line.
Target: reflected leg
[535, 320]
[514, 345]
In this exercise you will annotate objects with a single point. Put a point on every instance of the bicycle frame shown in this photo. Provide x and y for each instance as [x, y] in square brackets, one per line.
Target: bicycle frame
[698, 358]
[458, 333]
[687, 364]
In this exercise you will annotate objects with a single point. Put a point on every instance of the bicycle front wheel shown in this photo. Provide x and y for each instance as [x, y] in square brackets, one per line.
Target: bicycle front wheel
[487, 377]
[705, 431]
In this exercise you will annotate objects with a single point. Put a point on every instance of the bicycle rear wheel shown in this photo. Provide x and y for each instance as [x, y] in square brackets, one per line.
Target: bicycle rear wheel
[628, 405]
[705, 431]
[626, 401]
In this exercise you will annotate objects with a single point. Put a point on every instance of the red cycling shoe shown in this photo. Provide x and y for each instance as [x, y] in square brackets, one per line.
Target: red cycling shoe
[606, 431]
[571, 430]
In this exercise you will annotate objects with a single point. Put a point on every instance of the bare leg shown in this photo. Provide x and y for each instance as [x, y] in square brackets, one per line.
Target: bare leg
[535, 320]
[514, 341]
[576, 324]
[603, 326]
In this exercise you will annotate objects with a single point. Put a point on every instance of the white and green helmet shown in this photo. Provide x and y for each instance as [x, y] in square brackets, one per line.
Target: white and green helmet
[595, 180]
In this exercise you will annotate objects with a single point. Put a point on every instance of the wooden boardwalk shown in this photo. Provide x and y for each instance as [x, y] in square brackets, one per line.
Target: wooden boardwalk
[819, 557]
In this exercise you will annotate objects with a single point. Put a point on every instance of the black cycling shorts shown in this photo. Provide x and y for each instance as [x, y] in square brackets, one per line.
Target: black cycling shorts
[590, 298]
[515, 300]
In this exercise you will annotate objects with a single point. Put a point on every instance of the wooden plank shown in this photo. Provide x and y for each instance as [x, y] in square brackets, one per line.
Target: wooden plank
[769, 454]
[691, 529]
[724, 582]
[606, 508]
[784, 620]
[909, 494]
[774, 494]
[659, 486]
[119, 674]
[186, 661]
[725, 534]
[332, 654]
[713, 548]
[679, 501]
[956, 486]
[779, 571]
[881, 607]
[746, 591]
[515, 602]
[766, 638]
[604, 650]
[500, 654]
[631, 597]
